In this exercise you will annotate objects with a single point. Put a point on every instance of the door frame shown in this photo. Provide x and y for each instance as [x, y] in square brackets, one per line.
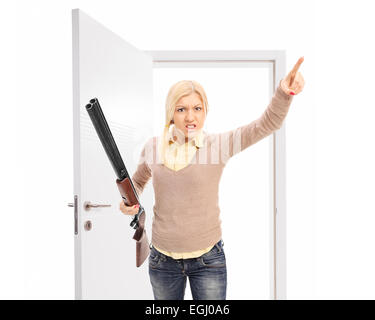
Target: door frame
[182, 58]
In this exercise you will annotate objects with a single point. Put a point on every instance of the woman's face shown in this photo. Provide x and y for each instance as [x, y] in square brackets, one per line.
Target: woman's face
[189, 111]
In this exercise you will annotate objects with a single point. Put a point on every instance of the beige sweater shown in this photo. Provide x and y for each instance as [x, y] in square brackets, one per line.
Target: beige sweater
[186, 211]
[179, 155]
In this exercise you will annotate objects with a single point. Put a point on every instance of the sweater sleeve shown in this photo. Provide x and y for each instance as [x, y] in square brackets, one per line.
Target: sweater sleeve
[143, 173]
[237, 140]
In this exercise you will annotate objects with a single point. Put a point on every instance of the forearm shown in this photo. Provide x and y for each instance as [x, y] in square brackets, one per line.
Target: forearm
[237, 140]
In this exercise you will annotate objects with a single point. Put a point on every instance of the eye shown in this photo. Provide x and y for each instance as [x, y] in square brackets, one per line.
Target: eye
[178, 110]
[198, 108]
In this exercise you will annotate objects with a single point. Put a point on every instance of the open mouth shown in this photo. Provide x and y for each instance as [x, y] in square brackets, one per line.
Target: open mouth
[190, 126]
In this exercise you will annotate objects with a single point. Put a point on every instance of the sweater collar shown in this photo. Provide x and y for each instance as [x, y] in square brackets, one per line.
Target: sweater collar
[178, 136]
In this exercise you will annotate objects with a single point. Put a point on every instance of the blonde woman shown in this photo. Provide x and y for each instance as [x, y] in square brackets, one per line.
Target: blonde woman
[186, 164]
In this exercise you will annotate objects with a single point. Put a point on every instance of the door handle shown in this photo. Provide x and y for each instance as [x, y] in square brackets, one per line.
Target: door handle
[75, 206]
[88, 205]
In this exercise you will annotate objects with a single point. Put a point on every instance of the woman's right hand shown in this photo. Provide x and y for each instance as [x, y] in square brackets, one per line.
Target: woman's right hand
[129, 210]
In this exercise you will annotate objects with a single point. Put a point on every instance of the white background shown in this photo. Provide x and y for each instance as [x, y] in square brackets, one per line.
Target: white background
[330, 139]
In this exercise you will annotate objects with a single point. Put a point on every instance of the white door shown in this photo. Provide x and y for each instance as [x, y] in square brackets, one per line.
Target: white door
[120, 76]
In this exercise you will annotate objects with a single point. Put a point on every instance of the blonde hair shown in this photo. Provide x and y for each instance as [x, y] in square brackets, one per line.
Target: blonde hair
[176, 92]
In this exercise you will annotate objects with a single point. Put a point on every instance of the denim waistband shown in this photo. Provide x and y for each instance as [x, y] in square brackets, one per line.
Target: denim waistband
[218, 245]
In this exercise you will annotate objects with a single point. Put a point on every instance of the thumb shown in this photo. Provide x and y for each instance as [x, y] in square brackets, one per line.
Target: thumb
[285, 87]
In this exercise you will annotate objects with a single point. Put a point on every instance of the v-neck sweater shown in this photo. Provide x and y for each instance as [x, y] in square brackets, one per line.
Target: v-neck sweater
[186, 210]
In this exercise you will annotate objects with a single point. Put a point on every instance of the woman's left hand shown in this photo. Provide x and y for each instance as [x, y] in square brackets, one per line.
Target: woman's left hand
[293, 83]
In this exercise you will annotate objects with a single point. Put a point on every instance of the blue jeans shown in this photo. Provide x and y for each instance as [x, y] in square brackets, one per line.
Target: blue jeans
[207, 275]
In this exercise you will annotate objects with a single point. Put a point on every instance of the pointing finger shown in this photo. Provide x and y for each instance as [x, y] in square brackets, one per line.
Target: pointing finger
[295, 70]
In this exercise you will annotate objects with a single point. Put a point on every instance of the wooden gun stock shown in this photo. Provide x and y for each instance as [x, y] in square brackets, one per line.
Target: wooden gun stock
[130, 199]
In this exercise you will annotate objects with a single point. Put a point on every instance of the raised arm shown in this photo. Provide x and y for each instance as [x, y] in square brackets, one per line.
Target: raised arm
[237, 140]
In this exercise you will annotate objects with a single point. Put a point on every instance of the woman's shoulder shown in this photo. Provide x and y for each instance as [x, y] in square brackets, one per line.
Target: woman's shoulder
[212, 138]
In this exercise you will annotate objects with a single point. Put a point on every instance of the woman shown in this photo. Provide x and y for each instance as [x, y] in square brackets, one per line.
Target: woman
[186, 164]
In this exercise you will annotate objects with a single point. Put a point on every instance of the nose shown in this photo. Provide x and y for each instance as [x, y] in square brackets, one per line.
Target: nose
[189, 116]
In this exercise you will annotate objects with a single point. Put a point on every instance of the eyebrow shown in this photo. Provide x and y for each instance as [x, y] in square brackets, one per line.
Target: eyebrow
[180, 105]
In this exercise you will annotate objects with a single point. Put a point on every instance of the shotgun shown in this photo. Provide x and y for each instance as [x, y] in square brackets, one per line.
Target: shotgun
[123, 181]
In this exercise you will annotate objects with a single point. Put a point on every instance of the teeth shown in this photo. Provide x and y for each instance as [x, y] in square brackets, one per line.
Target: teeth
[190, 126]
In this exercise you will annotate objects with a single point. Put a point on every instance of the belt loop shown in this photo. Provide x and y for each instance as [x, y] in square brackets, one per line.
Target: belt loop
[218, 247]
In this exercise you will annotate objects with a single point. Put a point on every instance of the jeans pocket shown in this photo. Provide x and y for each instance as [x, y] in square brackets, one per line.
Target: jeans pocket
[154, 258]
[214, 260]
[154, 262]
